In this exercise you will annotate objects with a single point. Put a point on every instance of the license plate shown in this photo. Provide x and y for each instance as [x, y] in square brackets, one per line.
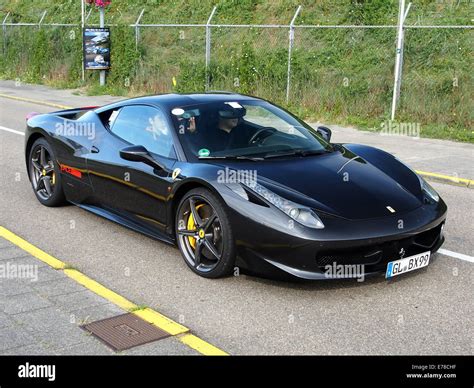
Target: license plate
[407, 264]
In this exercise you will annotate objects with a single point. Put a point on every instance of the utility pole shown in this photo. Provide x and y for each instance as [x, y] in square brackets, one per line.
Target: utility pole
[102, 25]
[402, 15]
[291, 40]
[82, 34]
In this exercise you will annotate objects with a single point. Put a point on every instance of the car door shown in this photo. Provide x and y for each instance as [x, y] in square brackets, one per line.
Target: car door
[134, 189]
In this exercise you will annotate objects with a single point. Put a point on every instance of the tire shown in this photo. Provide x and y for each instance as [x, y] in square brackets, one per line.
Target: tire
[50, 171]
[214, 229]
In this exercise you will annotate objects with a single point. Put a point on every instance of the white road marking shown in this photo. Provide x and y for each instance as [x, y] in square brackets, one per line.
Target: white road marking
[12, 131]
[456, 255]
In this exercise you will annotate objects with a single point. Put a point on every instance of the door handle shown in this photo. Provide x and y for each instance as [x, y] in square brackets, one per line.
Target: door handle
[95, 150]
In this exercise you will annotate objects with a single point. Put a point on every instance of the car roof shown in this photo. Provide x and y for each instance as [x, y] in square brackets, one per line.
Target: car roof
[172, 100]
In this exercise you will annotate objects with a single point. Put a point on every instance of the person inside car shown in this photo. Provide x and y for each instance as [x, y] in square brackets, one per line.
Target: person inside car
[231, 131]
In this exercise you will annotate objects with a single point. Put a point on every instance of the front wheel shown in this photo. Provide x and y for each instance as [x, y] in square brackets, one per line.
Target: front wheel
[204, 234]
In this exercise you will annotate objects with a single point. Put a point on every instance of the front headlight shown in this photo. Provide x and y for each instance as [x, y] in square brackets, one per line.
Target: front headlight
[302, 214]
[428, 190]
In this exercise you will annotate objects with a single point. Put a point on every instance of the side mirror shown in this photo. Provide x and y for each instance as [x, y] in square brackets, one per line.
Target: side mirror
[135, 153]
[138, 153]
[325, 132]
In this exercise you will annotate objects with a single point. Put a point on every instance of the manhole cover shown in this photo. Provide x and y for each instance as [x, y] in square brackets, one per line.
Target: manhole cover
[125, 331]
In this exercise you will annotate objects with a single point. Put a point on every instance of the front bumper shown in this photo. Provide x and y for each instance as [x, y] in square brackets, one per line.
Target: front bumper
[267, 250]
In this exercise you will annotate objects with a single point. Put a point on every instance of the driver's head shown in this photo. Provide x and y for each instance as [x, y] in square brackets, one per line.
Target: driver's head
[229, 117]
[228, 124]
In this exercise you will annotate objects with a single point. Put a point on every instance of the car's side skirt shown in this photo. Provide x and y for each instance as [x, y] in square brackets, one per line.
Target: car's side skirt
[127, 222]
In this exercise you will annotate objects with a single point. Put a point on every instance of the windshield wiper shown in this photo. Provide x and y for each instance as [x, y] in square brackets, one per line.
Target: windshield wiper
[296, 153]
[240, 157]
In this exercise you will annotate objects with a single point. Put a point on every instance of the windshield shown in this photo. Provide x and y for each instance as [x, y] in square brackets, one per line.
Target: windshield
[245, 128]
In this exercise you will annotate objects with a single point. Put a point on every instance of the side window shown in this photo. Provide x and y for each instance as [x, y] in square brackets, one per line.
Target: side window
[146, 126]
[108, 117]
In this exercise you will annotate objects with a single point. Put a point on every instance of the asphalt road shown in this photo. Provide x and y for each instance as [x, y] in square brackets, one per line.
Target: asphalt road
[424, 312]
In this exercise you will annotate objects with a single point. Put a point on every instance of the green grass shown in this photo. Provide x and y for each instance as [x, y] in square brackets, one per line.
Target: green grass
[138, 308]
[70, 266]
[342, 76]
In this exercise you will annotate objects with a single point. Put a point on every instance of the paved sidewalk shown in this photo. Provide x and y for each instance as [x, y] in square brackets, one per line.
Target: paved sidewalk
[49, 95]
[429, 155]
[40, 314]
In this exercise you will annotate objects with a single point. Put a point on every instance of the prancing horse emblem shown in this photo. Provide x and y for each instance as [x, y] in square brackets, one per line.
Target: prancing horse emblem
[176, 173]
[402, 253]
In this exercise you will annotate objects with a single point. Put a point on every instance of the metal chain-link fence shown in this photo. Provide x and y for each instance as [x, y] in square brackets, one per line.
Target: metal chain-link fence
[343, 75]
[326, 71]
[252, 60]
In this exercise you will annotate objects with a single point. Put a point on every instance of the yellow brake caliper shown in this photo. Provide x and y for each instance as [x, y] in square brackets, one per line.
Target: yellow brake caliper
[192, 226]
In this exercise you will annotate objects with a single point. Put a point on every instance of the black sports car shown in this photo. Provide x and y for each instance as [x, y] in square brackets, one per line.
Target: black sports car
[237, 182]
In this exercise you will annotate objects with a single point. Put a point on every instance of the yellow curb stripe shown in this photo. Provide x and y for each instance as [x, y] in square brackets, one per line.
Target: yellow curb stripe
[201, 346]
[463, 181]
[161, 321]
[39, 102]
[31, 249]
[99, 289]
[147, 314]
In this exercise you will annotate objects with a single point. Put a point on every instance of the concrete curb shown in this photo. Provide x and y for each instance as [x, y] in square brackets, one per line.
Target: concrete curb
[182, 333]
[450, 180]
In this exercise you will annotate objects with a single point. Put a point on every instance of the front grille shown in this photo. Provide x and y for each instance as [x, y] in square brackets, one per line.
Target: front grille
[349, 258]
[429, 238]
[376, 257]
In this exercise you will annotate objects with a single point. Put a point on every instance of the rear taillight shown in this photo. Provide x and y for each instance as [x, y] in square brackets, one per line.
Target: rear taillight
[31, 115]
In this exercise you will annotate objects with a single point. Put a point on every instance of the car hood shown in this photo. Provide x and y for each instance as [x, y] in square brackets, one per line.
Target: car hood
[340, 183]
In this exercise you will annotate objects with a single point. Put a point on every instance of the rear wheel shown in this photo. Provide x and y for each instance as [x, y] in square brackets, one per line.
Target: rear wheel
[44, 174]
[204, 234]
